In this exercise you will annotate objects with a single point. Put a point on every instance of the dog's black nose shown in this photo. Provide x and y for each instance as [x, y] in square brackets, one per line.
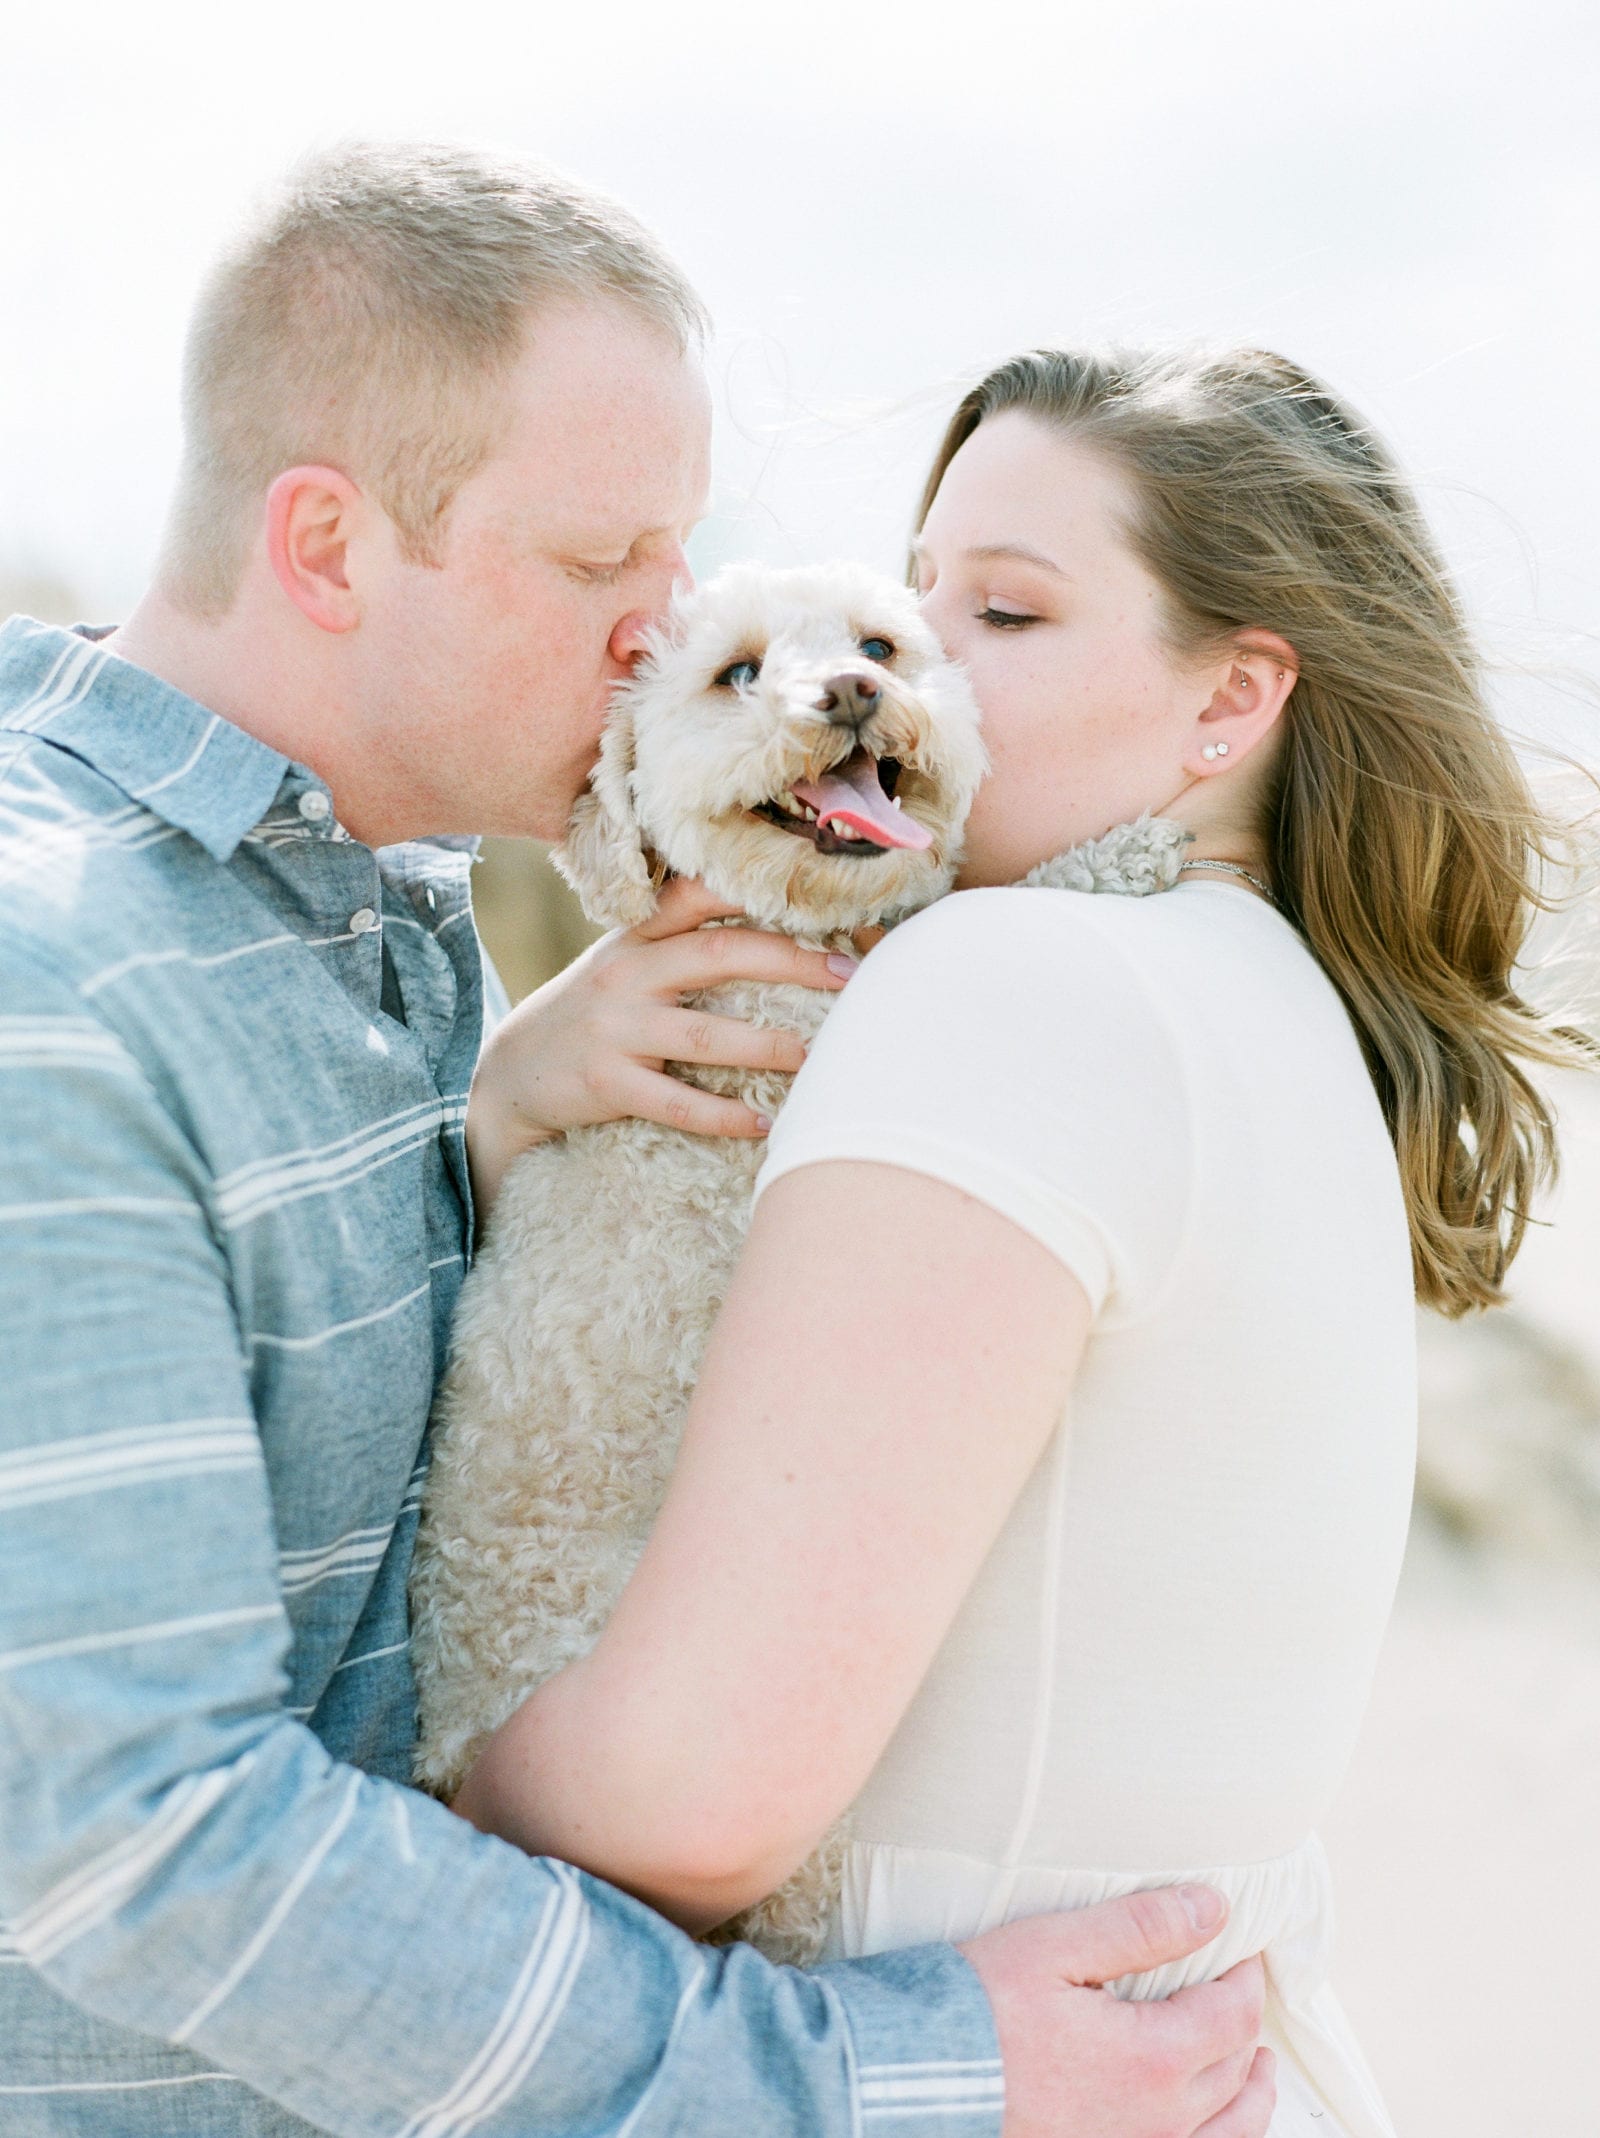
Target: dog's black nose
[848, 700]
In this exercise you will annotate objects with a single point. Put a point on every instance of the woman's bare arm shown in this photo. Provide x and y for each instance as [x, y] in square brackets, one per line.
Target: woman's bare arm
[886, 1371]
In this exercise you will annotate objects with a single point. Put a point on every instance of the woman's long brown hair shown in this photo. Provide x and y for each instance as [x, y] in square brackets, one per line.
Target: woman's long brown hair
[1405, 843]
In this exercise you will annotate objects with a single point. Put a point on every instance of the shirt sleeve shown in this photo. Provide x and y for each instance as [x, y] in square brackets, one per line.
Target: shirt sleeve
[1009, 1043]
[181, 1857]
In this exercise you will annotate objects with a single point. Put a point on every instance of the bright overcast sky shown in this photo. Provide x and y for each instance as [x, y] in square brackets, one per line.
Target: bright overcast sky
[877, 199]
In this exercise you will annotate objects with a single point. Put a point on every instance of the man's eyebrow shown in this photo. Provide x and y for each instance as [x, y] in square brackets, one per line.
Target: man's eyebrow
[669, 531]
[587, 538]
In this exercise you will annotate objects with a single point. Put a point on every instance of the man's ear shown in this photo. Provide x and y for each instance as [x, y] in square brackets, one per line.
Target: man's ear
[603, 856]
[312, 514]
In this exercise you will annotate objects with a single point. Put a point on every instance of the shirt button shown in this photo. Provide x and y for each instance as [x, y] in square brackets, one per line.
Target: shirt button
[363, 921]
[314, 805]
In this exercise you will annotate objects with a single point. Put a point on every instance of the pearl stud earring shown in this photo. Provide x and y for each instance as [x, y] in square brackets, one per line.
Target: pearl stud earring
[1215, 749]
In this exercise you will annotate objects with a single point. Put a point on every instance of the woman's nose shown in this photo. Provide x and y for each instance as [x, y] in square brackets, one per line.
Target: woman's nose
[936, 617]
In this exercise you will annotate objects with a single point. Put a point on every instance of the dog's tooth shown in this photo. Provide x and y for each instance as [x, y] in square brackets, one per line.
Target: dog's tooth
[895, 802]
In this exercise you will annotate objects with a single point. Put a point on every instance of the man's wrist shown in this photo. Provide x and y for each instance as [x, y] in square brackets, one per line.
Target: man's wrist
[925, 2047]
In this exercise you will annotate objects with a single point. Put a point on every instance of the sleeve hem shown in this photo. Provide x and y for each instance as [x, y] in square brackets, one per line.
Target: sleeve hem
[1066, 1230]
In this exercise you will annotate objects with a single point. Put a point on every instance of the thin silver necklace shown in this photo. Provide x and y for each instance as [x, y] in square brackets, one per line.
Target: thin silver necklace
[1232, 868]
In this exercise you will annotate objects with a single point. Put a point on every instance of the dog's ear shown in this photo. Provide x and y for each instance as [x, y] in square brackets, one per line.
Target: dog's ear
[603, 856]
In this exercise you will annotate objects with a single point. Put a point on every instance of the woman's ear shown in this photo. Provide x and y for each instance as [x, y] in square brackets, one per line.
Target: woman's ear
[1252, 688]
[603, 856]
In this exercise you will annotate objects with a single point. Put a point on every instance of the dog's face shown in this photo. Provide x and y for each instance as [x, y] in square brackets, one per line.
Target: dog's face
[798, 740]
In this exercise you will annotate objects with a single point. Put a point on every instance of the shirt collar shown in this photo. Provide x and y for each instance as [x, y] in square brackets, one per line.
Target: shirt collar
[191, 767]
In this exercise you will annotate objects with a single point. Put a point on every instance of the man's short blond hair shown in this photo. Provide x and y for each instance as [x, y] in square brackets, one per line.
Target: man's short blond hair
[364, 322]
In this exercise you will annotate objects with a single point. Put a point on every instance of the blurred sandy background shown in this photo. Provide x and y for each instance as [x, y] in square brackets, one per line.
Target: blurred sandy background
[878, 201]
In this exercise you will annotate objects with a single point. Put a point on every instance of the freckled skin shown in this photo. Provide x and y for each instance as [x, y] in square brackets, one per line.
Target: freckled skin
[1085, 715]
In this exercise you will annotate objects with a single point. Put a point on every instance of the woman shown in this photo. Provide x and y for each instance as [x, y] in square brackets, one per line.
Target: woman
[1046, 1485]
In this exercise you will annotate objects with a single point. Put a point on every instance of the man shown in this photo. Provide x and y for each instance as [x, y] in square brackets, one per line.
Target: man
[445, 434]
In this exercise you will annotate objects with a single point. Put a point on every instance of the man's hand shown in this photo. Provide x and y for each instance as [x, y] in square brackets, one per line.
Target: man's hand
[1081, 2063]
[592, 1044]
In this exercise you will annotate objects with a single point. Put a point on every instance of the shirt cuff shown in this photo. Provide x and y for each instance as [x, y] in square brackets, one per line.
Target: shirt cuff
[1065, 1228]
[925, 2058]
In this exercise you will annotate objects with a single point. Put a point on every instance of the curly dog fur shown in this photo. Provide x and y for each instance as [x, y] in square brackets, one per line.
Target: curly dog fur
[580, 1331]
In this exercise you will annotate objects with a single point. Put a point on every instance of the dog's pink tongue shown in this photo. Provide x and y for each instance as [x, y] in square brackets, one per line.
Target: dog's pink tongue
[852, 791]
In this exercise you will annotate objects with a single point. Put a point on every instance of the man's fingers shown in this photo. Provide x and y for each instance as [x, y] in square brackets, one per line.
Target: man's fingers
[1214, 2019]
[650, 1096]
[1249, 2113]
[684, 903]
[1130, 1935]
[1221, 2084]
[695, 1036]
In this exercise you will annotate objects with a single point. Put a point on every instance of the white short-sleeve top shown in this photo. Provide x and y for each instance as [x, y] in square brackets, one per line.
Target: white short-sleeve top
[1166, 1656]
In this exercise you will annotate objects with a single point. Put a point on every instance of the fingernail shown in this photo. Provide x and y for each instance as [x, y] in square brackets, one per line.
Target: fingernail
[764, 1123]
[1203, 1905]
[842, 966]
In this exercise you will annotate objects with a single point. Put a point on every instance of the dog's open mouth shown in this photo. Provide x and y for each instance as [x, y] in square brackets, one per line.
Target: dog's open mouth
[850, 810]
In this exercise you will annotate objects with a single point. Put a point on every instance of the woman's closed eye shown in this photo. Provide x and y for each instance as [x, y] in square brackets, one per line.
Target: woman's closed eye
[1006, 619]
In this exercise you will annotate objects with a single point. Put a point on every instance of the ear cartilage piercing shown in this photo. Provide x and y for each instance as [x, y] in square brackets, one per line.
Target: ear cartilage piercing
[1215, 749]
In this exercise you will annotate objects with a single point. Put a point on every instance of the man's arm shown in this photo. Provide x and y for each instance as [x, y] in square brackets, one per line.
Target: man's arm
[178, 1855]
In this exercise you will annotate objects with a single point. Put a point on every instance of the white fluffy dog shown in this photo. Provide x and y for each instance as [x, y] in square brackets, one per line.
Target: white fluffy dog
[799, 741]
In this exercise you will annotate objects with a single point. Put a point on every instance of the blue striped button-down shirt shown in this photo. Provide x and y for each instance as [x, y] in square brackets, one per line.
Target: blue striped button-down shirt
[235, 1048]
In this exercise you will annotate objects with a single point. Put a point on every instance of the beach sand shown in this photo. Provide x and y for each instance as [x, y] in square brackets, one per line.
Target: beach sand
[1466, 1842]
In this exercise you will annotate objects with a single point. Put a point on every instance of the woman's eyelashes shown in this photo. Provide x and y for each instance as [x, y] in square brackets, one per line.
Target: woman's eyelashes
[1006, 619]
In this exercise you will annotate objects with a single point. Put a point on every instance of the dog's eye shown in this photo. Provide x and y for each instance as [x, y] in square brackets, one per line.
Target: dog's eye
[739, 672]
[878, 649]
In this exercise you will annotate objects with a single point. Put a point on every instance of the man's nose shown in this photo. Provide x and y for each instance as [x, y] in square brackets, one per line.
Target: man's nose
[631, 632]
[849, 699]
[628, 639]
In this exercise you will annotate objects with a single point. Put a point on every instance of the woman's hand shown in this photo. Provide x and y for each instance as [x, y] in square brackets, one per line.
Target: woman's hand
[592, 1044]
